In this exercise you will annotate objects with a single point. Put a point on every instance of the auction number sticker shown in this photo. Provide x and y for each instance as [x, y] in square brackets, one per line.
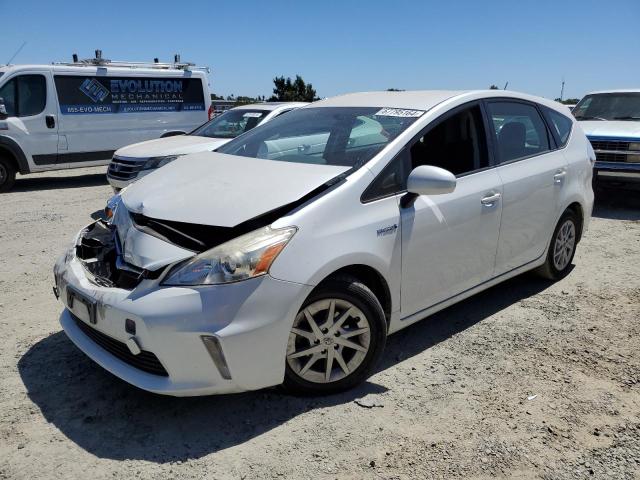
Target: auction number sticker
[399, 112]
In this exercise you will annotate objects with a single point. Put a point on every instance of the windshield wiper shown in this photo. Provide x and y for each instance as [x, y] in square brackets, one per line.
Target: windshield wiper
[627, 117]
[590, 118]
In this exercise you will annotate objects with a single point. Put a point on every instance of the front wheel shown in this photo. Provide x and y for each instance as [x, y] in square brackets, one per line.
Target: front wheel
[562, 248]
[336, 340]
[7, 175]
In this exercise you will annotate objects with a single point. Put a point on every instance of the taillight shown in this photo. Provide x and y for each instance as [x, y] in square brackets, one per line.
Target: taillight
[210, 112]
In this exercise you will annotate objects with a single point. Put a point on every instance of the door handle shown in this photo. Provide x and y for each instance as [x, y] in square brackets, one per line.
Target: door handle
[489, 200]
[559, 176]
[50, 120]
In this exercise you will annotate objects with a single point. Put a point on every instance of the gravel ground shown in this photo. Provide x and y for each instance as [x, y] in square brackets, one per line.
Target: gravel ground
[526, 380]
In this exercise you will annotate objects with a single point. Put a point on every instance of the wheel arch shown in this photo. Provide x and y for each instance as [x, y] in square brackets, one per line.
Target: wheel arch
[577, 209]
[372, 278]
[10, 149]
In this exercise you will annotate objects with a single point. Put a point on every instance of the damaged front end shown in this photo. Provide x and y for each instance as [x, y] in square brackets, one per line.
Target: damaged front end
[100, 252]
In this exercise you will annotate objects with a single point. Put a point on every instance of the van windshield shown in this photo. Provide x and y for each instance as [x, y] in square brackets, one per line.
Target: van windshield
[609, 106]
[231, 123]
[345, 136]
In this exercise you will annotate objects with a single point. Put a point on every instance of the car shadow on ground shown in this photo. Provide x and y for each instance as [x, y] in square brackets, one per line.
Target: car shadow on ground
[112, 419]
[617, 204]
[30, 184]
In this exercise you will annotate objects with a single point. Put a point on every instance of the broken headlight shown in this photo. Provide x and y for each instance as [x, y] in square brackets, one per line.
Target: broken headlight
[247, 256]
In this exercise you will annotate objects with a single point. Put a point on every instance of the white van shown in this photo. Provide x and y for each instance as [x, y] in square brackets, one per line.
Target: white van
[77, 114]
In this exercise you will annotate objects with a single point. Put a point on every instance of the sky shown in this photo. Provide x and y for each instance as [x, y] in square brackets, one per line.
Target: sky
[347, 45]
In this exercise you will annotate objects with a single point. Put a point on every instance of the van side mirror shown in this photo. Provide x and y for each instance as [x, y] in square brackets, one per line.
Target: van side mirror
[3, 109]
[428, 180]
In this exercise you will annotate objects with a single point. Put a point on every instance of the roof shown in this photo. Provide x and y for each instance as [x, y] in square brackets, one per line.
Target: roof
[88, 68]
[419, 99]
[427, 99]
[270, 105]
[617, 90]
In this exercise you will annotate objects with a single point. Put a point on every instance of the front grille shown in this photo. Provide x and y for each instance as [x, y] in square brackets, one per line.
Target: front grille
[610, 145]
[610, 157]
[145, 361]
[122, 168]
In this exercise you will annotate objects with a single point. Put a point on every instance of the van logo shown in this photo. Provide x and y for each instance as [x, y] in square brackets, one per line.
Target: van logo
[387, 230]
[94, 90]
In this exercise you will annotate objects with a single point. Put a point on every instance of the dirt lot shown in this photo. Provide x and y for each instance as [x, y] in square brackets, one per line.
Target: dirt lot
[526, 380]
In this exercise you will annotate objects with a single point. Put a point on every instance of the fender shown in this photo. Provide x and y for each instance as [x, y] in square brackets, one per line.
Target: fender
[10, 145]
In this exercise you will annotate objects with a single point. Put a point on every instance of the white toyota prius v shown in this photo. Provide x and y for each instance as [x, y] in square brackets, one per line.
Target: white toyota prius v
[288, 256]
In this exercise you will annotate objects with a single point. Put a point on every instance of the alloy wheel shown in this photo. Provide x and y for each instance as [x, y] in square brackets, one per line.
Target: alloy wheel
[329, 340]
[564, 244]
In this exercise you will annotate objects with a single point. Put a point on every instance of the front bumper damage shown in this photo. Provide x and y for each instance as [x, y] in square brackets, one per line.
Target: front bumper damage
[171, 328]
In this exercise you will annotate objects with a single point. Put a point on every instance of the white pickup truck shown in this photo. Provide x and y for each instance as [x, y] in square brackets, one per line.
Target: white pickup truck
[611, 121]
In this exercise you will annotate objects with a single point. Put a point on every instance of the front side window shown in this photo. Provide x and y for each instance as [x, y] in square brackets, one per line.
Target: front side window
[520, 130]
[8, 94]
[609, 106]
[24, 95]
[231, 123]
[457, 143]
[345, 136]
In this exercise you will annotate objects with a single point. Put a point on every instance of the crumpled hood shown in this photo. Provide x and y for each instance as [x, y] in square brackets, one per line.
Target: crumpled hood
[211, 188]
[178, 145]
[611, 128]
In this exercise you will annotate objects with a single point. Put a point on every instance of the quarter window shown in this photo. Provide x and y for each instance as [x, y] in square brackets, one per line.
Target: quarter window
[519, 129]
[560, 124]
[25, 95]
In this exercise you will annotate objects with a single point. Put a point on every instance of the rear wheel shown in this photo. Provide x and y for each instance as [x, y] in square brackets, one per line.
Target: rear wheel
[7, 174]
[562, 247]
[336, 340]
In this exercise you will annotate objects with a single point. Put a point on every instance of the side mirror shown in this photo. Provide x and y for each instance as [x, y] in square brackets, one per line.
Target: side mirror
[3, 109]
[428, 180]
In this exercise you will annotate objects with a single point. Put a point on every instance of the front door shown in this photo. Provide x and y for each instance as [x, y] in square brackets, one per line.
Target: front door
[32, 121]
[449, 241]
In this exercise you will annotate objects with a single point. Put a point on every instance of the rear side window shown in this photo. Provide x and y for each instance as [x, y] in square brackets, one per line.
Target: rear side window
[520, 130]
[25, 95]
[560, 125]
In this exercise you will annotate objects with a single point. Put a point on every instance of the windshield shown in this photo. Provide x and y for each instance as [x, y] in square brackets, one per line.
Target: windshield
[609, 106]
[346, 136]
[231, 123]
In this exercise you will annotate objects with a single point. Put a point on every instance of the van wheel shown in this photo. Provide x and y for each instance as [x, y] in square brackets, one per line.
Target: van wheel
[7, 174]
[336, 340]
[562, 248]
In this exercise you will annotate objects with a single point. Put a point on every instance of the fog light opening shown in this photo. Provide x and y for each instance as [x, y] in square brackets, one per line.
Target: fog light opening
[130, 326]
[215, 352]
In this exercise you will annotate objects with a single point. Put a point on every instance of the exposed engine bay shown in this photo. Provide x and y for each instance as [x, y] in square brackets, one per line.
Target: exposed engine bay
[98, 249]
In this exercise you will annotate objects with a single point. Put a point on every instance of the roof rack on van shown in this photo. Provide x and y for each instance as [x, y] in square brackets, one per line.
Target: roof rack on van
[103, 62]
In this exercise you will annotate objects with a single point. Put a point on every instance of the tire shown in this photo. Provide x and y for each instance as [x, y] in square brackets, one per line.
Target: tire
[559, 258]
[7, 174]
[306, 373]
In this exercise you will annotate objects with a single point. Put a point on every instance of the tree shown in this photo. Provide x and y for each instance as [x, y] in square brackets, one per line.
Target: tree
[394, 90]
[286, 90]
[568, 101]
[216, 97]
[493, 87]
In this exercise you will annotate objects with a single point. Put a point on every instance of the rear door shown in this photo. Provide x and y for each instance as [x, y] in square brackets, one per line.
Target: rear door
[32, 121]
[533, 175]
